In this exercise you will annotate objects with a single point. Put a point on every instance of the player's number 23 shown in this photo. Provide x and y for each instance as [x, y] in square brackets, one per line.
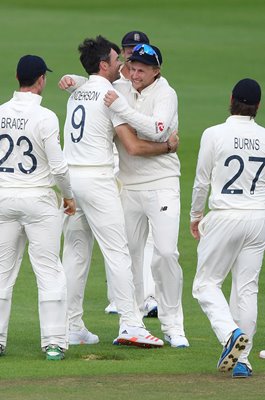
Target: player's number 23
[27, 153]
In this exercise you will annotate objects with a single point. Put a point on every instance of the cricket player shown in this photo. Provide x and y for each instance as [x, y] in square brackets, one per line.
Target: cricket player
[31, 163]
[151, 186]
[128, 42]
[231, 164]
[150, 192]
[89, 151]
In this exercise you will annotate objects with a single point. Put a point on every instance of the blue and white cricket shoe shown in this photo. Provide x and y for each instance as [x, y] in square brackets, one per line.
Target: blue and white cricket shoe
[241, 370]
[232, 350]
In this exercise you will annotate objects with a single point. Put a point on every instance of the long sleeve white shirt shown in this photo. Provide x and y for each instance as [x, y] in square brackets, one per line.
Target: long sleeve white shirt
[231, 165]
[88, 130]
[30, 151]
[154, 115]
[145, 111]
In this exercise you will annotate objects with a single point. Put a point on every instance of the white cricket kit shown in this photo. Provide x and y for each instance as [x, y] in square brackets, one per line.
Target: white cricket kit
[87, 236]
[88, 138]
[232, 162]
[151, 193]
[31, 162]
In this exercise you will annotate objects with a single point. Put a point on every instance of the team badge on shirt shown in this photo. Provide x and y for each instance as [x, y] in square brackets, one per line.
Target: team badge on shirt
[160, 126]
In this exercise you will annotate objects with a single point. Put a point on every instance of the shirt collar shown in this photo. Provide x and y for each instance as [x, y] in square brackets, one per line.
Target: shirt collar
[240, 118]
[27, 97]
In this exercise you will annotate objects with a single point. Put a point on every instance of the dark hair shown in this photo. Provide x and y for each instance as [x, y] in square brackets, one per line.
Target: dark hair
[27, 82]
[92, 51]
[239, 108]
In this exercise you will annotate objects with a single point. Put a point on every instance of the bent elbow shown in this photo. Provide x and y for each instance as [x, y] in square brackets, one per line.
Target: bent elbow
[133, 151]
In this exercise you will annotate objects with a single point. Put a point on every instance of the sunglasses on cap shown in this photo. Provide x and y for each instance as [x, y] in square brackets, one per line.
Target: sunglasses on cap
[146, 49]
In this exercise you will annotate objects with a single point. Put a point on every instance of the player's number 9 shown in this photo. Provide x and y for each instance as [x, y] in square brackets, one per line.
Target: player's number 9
[78, 122]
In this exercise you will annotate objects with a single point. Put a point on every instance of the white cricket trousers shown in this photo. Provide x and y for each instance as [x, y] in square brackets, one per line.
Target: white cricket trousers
[230, 240]
[160, 208]
[149, 283]
[34, 213]
[99, 211]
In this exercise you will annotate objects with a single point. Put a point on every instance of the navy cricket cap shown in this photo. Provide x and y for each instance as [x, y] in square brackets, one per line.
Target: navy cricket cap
[30, 67]
[247, 91]
[147, 54]
[133, 38]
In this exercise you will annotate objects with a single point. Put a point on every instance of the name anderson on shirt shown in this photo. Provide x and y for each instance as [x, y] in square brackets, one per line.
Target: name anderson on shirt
[84, 95]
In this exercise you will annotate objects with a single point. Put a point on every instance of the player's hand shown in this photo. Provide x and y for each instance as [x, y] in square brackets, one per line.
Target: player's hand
[110, 97]
[194, 229]
[65, 82]
[173, 141]
[69, 206]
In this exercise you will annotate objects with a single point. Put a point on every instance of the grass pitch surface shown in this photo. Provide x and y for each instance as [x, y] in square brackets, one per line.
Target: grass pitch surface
[207, 47]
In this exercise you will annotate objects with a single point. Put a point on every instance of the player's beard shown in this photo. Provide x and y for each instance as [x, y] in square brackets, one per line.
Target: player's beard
[117, 76]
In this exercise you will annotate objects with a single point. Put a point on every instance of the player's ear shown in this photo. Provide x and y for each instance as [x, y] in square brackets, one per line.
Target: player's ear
[103, 65]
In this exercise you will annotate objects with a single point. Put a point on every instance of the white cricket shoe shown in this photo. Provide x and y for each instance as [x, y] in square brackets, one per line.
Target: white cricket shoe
[137, 336]
[83, 337]
[2, 350]
[150, 307]
[262, 354]
[111, 308]
[177, 341]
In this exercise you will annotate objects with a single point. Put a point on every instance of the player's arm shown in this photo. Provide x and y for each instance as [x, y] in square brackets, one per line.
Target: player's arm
[155, 127]
[58, 166]
[201, 183]
[71, 82]
[138, 147]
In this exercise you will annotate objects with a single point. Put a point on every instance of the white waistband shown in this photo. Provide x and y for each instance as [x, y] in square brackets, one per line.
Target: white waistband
[91, 170]
[24, 191]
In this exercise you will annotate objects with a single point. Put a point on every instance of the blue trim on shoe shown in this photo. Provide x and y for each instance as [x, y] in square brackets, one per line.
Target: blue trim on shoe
[232, 350]
[152, 313]
[241, 370]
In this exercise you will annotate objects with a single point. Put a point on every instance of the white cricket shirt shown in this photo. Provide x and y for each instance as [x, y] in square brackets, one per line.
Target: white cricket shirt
[231, 162]
[154, 115]
[30, 151]
[88, 130]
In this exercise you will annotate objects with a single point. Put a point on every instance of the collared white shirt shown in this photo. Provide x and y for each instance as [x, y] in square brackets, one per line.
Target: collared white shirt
[145, 111]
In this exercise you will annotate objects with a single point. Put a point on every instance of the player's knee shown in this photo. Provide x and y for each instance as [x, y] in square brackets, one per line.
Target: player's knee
[49, 295]
[6, 294]
[167, 251]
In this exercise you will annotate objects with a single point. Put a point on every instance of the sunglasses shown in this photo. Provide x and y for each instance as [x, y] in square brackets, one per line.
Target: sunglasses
[146, 49]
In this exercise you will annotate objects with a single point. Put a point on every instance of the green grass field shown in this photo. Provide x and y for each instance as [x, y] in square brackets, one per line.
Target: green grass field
[207, 46]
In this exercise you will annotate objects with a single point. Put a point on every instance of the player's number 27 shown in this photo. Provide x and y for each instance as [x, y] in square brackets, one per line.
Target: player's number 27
[226, 189]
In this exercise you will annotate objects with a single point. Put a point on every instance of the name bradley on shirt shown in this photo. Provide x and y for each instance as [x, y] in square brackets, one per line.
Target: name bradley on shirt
[14, 123]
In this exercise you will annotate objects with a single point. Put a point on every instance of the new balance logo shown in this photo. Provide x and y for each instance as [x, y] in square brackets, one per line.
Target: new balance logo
[163, 208]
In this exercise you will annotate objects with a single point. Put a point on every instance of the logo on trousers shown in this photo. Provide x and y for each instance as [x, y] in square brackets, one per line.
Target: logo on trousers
[163, 208]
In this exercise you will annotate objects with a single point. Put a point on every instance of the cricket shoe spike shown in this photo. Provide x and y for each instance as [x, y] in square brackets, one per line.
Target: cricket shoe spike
[232, 350]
